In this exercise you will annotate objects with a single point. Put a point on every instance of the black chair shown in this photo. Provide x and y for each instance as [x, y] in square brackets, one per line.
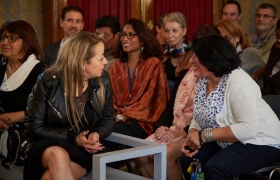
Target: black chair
[274, 102]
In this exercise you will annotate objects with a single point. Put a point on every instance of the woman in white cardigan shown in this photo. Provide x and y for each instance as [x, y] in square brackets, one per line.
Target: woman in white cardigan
[233, 130]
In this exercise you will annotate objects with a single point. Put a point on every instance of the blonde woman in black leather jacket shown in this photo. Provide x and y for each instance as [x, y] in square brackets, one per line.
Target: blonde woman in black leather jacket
[70, 112]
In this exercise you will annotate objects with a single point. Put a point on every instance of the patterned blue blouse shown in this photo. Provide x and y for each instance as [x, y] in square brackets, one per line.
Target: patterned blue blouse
[206, 108]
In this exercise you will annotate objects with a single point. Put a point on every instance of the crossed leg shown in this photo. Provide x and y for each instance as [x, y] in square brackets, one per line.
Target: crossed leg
[58, 165]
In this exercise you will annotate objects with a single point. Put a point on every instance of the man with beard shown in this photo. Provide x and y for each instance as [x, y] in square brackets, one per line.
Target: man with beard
[72, 22]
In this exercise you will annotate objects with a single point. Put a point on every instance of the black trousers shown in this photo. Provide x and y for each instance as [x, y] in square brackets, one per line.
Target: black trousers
[235, 160]
[131, 129]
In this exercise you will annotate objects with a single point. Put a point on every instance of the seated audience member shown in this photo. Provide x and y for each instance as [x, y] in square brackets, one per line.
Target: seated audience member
[19, 69]
[138, 80]
[251, 60]
[271, 76]
[183, 110]
[231, 122]
[231, 9]
[72, 21]
[264, 37]
[109, 27]
[176, 50]
[69, 121]
[160, 32]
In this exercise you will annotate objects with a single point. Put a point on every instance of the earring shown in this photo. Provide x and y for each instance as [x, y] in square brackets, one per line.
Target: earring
[238, 48]
[142, 48]
[84, 78]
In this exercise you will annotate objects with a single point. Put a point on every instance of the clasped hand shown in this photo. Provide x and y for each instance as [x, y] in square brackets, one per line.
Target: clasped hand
[192, 141]
[90, 144]
[164, 134]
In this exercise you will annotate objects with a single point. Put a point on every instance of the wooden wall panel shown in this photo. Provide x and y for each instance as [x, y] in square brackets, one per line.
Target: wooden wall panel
[52, 32]
[217, 6]
[147, 15]
[136, 9]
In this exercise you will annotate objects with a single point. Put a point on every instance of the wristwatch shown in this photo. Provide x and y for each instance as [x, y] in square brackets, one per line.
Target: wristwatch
[120, 117]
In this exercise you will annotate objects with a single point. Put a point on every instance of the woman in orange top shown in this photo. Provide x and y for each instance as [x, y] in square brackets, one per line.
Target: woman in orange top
[138, 80]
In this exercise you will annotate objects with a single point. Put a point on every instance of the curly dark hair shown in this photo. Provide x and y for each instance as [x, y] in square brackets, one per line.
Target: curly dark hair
[108, 21]
[216, 53]
[151, 46]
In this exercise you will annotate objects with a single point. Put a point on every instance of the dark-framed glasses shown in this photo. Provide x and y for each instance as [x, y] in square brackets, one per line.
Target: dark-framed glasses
[128, 35]
[11, 38]
[265, 16]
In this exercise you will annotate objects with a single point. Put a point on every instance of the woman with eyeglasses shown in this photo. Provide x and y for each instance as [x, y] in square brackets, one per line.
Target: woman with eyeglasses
[251, 59]
[138, 80]
[19, 68]
[233, 130]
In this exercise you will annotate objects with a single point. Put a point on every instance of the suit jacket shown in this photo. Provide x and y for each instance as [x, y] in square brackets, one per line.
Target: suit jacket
[51, 53]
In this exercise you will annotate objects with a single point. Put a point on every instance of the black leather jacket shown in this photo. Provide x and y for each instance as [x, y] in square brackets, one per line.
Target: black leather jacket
[46, 113]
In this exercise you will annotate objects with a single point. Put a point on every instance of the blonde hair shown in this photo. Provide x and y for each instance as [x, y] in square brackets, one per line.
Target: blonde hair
[234, 29]
[75, 50]
[176, 17]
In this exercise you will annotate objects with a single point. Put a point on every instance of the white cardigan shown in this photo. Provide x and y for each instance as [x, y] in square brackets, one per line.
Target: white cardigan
[250, 118]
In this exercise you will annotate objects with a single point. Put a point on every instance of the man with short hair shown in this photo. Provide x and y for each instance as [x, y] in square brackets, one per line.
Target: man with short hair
[109, 28]
[72, 22]
[231, 10]
[264, 37]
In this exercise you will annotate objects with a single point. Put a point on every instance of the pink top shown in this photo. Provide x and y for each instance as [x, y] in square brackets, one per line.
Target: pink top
[183, 106]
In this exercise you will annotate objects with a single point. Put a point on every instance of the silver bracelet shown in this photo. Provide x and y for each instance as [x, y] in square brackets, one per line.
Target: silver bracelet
[208, 135]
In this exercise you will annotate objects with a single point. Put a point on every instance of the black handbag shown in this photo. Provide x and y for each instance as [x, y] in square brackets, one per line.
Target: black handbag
[18, 144]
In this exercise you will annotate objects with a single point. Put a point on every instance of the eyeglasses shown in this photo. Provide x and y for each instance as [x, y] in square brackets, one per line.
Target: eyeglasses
[128, 35]
[265, 16]
[11, 38]
[194, 57]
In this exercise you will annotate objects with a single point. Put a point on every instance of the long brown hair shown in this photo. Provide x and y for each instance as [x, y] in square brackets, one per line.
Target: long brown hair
[75, 50]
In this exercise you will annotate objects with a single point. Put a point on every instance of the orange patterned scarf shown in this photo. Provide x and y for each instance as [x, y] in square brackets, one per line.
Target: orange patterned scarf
[150, 91]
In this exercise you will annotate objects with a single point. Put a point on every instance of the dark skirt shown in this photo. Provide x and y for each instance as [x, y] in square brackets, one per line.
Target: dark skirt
[33, 169]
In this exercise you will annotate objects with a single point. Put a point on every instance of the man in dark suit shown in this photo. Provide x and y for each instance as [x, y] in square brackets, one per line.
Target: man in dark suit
[72, 22]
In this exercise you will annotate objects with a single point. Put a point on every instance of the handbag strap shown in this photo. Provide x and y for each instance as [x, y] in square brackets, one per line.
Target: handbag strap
[4, 161]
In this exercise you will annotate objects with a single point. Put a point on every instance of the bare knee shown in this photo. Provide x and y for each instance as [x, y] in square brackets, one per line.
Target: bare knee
[54, 154]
